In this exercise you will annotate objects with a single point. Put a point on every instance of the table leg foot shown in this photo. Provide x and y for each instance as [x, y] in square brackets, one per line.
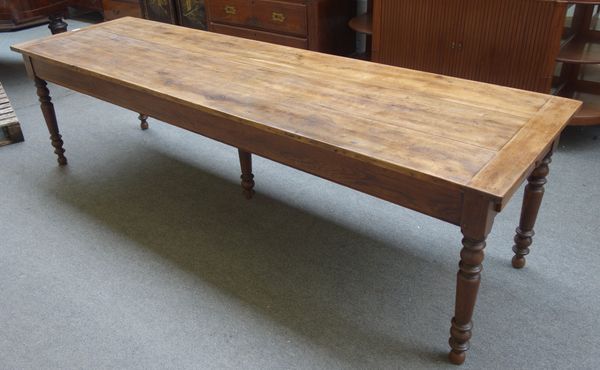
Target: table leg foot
[456, 358]
[50, 118]
[534, 192]
[247, 176]
[143, 121]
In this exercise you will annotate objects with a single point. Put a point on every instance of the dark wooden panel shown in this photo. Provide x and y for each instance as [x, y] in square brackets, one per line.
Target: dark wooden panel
[328, 27]
[95, 5]
[159, 10]
[509, 42]
[114, 9]
[192, 13]
[18, 13]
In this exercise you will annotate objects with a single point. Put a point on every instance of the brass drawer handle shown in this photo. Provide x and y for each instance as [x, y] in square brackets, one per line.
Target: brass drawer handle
[277, 17]
[231, 10]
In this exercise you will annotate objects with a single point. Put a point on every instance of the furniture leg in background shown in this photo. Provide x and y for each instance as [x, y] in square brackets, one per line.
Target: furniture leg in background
[143, 121]
[57, 24]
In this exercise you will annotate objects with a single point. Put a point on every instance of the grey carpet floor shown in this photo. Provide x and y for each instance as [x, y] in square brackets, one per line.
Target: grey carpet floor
[143, 254]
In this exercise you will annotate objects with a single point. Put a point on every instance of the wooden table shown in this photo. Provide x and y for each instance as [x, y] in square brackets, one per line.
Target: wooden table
[453, 149]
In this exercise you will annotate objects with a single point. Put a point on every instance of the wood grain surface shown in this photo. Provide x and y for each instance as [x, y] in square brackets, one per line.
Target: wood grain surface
[440, 130]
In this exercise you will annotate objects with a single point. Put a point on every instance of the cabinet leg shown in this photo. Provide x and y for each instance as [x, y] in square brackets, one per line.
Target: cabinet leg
[50, 118]
[534, 192]
[247, 176]
[143, 121]
[57, 25]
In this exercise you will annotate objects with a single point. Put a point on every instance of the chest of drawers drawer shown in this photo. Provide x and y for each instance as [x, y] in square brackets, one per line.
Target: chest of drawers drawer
[268, 15]
[320, 25]
[275, 38]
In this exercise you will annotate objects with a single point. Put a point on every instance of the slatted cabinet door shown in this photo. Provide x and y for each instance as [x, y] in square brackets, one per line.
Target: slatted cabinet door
[507, 42]
[416, 34]
[511, 42]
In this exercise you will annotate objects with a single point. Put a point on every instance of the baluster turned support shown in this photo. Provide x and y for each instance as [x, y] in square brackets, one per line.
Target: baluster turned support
[143, 121]
[50, 118]
[478, 217]
[467, 287]
[534, 192]
[247, 176]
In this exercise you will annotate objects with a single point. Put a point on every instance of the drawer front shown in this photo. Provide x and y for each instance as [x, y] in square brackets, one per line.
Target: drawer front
[274, 38]
[280, 16]
[231, 11]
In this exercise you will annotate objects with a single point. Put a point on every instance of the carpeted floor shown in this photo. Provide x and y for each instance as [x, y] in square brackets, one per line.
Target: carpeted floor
[143, 254]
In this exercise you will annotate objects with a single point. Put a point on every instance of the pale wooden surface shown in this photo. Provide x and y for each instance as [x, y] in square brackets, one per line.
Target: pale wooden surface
[7, 114]
[10, 130]
[458, 133]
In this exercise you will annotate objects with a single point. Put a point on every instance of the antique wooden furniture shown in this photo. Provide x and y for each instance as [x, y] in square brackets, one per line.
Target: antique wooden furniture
[187, 13]
[319, 25]
[581, 51]
[109, 9]
[113, 9]
[453, 149]
[507, 42]
[15, 14]
[10, 130]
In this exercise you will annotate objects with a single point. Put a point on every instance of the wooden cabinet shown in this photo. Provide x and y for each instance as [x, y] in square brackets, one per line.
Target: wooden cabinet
[15, 14]
[319, 25]
[113, 9]
[509, 42]
[94, 5]
[580, 58]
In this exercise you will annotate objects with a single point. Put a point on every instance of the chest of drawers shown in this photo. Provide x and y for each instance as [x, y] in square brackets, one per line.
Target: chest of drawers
[319, 25]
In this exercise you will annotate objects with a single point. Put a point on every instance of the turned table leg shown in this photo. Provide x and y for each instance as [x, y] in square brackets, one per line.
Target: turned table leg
[478, 215]
[247, 176]
[50, 118]
[467, 286]
[534, 192]
[57, 25]
[143, 121]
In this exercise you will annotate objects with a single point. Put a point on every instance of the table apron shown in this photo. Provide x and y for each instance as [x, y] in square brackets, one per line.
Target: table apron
[436, 200]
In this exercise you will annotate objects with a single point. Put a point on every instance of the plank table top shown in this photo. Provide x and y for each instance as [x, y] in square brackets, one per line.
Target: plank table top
[443, 129]
[453, 149]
